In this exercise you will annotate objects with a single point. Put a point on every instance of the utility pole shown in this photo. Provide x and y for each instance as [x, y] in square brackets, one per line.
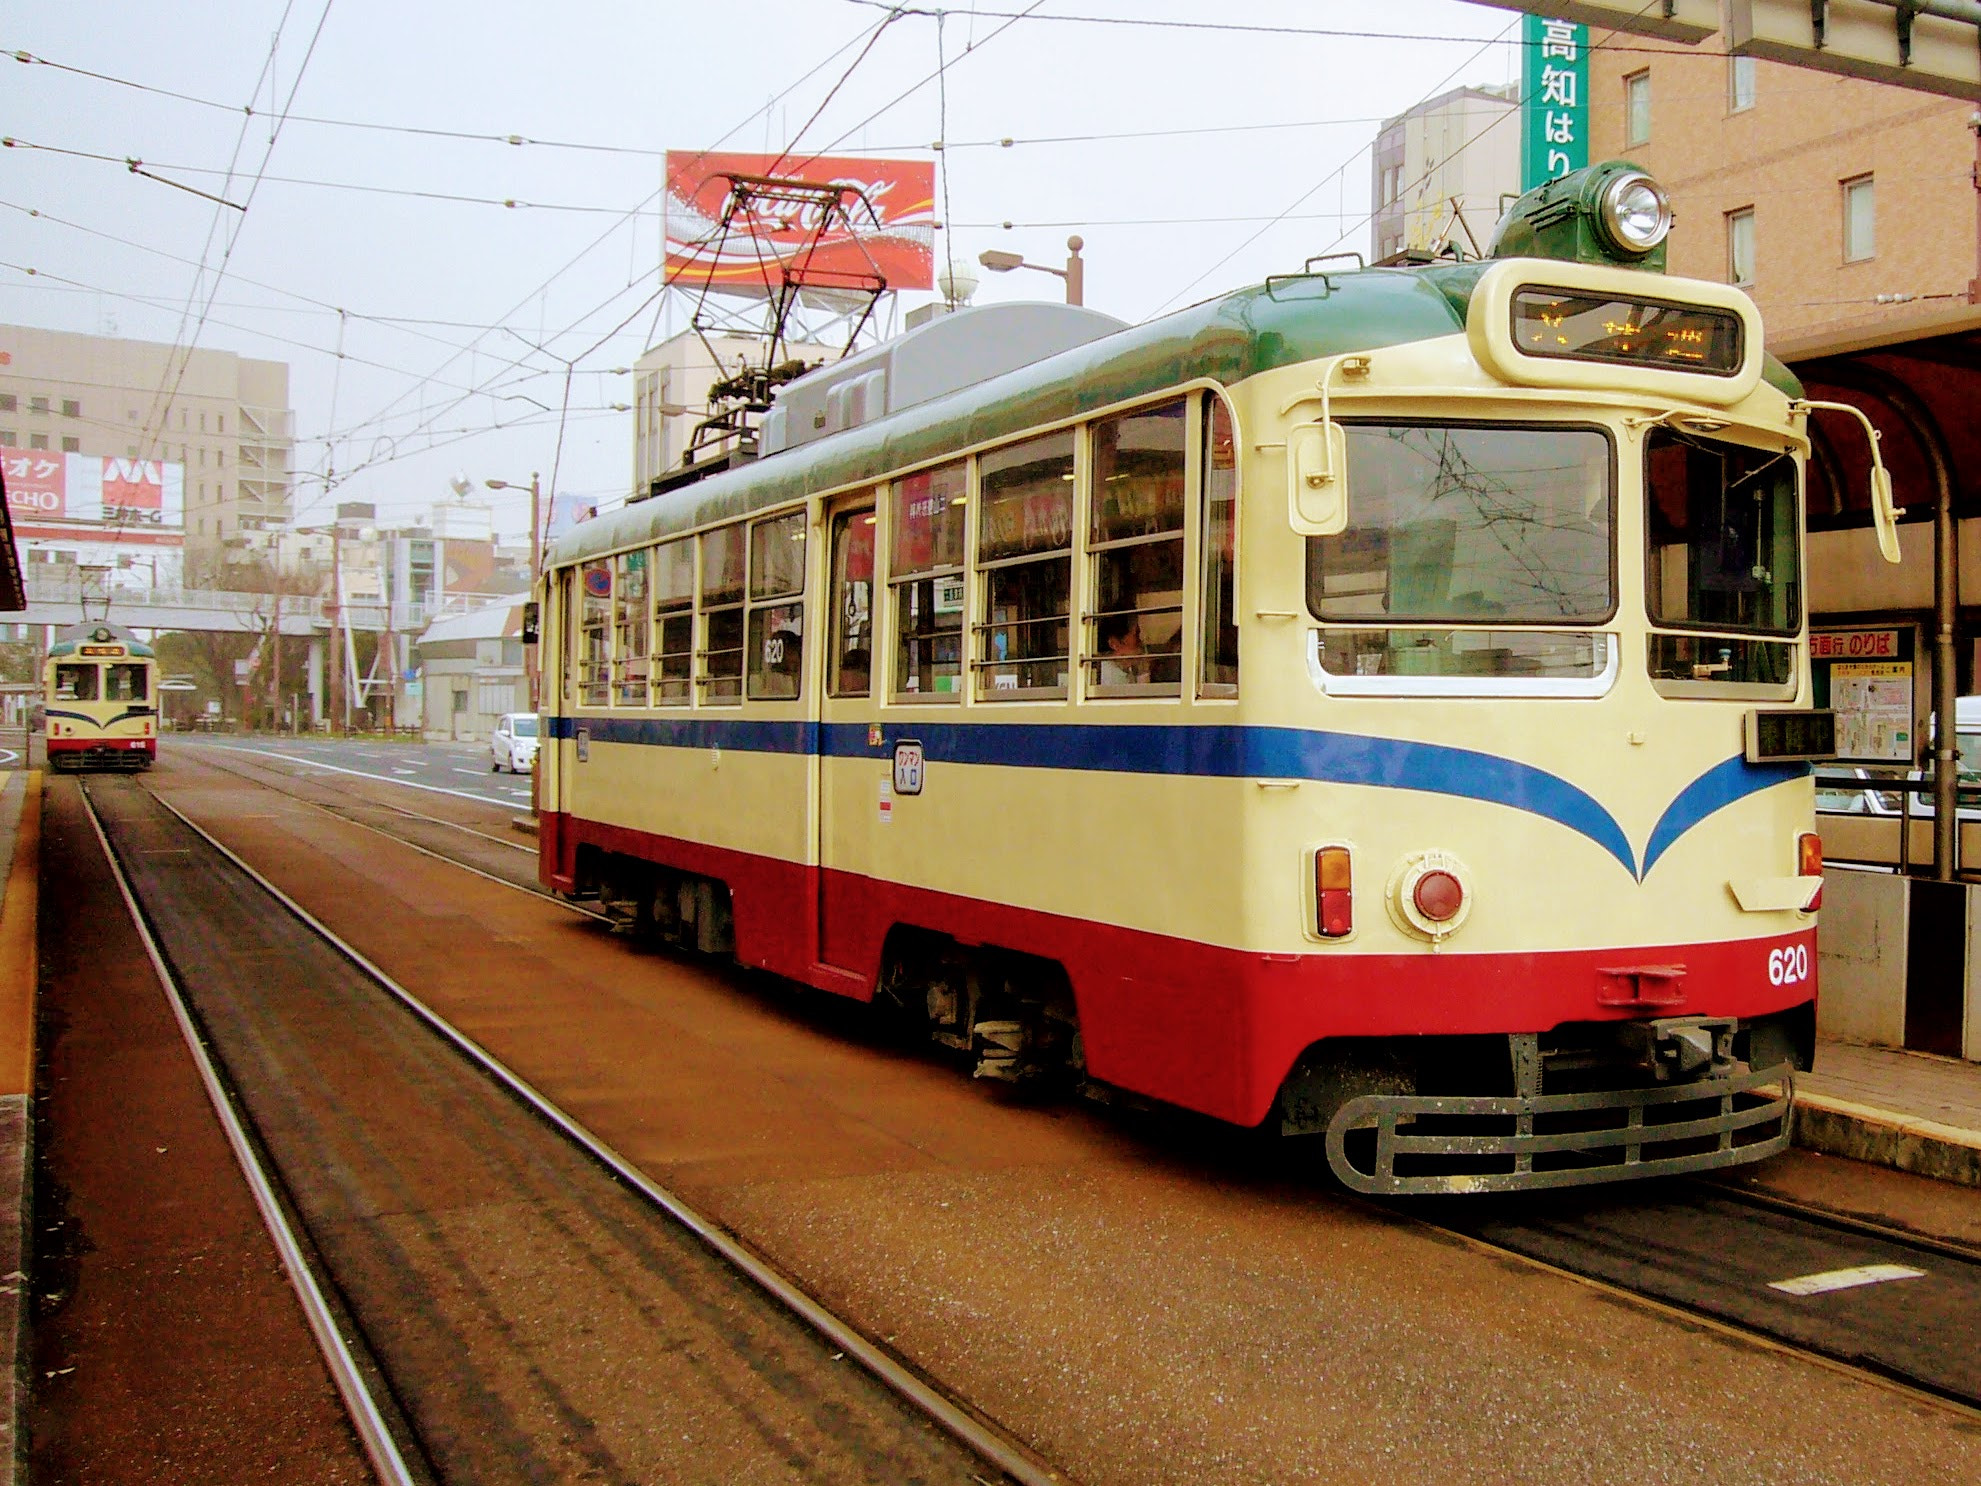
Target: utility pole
[536, 569]
[334, 611]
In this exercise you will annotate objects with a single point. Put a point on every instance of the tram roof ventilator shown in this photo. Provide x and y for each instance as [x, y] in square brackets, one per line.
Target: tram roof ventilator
[945, 355]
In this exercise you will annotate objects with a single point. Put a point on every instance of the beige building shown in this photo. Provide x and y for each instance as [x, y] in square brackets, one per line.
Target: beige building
[1837, 203]
[1443, 168]
[226, 418]
[670, 395]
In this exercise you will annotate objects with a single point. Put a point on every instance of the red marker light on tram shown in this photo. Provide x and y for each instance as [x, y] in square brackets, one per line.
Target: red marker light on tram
[1809, 863]
[1334, 894]
[1438, 896]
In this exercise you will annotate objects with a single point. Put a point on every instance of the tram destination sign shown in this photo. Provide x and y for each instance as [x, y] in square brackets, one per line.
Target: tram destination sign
[1779, 737]
[1560, 325]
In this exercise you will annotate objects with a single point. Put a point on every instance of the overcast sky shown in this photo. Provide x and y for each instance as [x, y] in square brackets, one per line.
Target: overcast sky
[1191, 156]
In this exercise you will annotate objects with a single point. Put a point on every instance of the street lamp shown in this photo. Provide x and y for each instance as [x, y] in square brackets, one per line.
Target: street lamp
[1075, 272]
[536, 562]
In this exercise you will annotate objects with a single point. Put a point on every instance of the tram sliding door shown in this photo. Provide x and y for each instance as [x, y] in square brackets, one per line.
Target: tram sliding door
[849, 775]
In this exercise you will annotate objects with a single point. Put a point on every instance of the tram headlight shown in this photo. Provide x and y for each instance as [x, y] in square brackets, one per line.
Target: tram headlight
[1634, 213]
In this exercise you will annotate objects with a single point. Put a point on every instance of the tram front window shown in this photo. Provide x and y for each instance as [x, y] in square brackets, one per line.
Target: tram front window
[124, 684]
[1478, 527]
[76, 683]
[1721, 561]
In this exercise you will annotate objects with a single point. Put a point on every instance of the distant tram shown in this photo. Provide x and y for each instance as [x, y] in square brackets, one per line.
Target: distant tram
[1374, 702]
[99, 692]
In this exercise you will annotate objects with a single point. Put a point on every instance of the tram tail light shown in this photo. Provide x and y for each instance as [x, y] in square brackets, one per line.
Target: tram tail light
[1334, 894]
[1809, 863]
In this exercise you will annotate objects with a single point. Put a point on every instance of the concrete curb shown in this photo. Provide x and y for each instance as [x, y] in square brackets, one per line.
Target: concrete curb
[1837, 1127]
[20, 819]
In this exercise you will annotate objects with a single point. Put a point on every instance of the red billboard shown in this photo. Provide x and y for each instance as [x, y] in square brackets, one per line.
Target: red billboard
[35, 483]
[893, 233]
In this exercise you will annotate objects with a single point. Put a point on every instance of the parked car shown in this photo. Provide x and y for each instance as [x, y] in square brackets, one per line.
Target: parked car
[514, 743]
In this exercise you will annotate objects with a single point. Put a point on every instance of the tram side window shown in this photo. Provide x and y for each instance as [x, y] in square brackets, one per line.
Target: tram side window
[630, 629]
[722, 616]
[595, 635]
[1134, 634]
[1219, 641]
[1721, 526]
[926, 571]
[123, 684]
[569, 596]
[777, 607]
[1025, 551]
[850, 669]
[674, 622]
[75, 683]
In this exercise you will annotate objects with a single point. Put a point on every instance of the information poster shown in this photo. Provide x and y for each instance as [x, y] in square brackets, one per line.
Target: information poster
[1866, 678]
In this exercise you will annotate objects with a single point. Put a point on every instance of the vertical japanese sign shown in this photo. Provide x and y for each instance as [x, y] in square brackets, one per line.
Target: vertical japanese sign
[1554, 93]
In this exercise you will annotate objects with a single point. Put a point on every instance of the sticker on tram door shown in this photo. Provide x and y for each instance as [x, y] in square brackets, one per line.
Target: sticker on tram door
[908, 767]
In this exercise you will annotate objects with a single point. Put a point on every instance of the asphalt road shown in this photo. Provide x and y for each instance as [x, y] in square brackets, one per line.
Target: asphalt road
[452, 768]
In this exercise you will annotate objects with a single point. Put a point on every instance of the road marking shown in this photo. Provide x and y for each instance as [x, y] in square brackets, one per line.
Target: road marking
[1845, 1279]
[405, 771]
[475, 772]
[434, 789]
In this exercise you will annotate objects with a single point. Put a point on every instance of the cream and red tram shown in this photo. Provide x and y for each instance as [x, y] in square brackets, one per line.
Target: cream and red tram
[99, 700]
[1374, 702]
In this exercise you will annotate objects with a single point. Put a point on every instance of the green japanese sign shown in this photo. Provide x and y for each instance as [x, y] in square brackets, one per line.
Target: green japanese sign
[1554, 99]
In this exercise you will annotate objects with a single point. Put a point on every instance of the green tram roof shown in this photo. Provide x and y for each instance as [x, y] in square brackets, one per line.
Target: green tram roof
[100, 633]
[1283, 322]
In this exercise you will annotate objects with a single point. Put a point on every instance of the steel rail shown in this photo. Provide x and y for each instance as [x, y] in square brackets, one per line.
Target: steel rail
[953, 1418]
[381, 779]
[1905, 1238]
[366, 1419]
[426, 851]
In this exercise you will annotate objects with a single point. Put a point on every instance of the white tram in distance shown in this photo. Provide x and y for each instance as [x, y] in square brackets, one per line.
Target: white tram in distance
[1374, 702]
[99, 700]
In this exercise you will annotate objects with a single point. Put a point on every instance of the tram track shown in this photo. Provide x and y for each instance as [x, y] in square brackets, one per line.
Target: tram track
[1900, 1306]
[436, 1193]
[1589, 1235]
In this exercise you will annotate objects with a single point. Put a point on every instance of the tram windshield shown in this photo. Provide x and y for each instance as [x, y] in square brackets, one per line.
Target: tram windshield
[1721, 559]
[1487, 526]
[76, 682]
[123, 684]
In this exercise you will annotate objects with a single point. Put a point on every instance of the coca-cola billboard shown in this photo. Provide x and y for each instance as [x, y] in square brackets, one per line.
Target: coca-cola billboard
[896, 238]
[97, 488]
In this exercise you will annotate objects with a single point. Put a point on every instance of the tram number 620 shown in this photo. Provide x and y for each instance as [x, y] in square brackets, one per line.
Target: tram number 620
[1788, 965]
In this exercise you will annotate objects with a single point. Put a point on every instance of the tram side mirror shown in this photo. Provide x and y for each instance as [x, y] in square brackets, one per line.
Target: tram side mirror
[1884, 512]
[1884, 508]
[1317, 479]
[530, 622]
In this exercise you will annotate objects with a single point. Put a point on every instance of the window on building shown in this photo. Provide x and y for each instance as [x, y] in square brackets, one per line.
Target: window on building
[1859, 219]
[72, 445]
[8, 402]
[1133, 636]
[37, 441]
[926, 571]
[777, 607]
[1740, 246]
[1637, 108]
[7, 438]
[221, 420]
[202, 422]
[1218, 656]
[37, 404]
[674, 622]
[1740, 84]
[71, 408]
[130, 451]
[629, 629]
[722, 615]
[1025, 547]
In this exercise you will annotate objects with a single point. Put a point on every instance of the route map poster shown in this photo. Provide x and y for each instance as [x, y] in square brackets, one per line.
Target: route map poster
[1865, 676]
